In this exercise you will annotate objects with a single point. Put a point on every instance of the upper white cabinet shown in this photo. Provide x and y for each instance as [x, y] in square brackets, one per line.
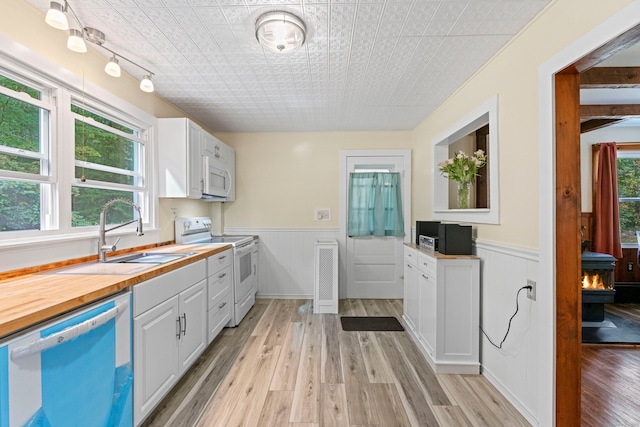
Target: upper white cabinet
[193, 163]
[180, 158]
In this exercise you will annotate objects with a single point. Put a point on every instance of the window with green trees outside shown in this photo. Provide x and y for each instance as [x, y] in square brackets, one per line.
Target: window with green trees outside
[629, 194]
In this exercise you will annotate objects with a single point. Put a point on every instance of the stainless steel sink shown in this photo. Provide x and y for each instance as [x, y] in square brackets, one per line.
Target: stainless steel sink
[150, 257]
[126, 264]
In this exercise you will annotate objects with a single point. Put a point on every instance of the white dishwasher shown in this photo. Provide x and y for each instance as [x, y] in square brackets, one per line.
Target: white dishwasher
[74, 370]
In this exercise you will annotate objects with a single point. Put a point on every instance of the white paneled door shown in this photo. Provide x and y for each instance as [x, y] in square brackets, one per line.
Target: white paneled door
[374, 266]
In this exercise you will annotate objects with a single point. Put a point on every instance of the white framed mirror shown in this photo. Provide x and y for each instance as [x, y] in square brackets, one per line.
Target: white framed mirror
[476, 130]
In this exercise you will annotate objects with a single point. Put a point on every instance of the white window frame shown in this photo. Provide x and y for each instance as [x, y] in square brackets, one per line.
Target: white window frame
[634, 154]
[62, 86]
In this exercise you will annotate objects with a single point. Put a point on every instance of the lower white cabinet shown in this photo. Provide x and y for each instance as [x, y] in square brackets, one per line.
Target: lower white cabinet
[220, 295]
[169, 332]
[410, 288]
[442, 309]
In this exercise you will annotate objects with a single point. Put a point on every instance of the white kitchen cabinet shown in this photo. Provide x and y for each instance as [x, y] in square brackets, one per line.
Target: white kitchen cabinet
[410, 314]
[220, 295]
[169, 332]
[156, 367]
[180, 164]
[193, 324]
[448, 310]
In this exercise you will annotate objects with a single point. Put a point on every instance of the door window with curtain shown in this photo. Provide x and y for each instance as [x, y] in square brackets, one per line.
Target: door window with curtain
[375, 204]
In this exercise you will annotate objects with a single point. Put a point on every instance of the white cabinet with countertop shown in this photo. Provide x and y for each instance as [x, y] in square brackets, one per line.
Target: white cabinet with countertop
[169, 332]
[444, 322]
[220, 292]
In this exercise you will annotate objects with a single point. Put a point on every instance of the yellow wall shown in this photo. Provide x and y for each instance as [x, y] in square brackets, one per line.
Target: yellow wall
[512, 74]
[282, 177]
[25, 24]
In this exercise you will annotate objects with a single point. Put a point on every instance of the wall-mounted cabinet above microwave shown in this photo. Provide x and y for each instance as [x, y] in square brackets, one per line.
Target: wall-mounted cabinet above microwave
[193, 163]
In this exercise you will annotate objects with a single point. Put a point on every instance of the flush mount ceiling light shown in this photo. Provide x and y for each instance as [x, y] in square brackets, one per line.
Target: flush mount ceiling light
[280, 31]
[57, 18]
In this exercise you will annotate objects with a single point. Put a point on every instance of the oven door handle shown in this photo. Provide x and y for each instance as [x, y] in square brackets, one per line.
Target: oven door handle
[69, 333]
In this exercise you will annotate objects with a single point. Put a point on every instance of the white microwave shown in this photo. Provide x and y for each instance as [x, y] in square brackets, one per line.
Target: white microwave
[218, 181]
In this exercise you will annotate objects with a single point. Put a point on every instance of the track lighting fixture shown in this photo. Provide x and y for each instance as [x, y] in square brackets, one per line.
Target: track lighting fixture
[57, 18]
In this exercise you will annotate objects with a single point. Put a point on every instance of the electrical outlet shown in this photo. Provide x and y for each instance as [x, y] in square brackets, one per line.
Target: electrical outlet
[630, 266]
[174, 213]
[531, 293]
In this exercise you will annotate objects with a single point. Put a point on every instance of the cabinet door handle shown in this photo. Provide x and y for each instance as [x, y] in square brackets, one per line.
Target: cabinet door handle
[425, 277]
[222, 305]
[409, 265]
[222, 257]
[222, 275]
[179, 322]
[184, 317]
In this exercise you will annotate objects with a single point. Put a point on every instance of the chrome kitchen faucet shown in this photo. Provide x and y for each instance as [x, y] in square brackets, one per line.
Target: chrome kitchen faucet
[103, 248]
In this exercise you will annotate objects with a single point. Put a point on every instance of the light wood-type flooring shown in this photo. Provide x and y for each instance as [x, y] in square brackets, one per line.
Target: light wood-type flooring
[285, 366]
[611, 379]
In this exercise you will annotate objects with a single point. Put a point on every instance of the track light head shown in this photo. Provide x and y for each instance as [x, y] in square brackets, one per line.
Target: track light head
[56, 17]
[146, 85]
[75, 42]
[112, 68]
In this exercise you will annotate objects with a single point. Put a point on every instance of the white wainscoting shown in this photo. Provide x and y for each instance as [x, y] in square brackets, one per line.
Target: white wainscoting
[286, 261]
[515, 369]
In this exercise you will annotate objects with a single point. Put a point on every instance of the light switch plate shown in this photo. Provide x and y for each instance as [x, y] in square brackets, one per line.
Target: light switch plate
[323, 214]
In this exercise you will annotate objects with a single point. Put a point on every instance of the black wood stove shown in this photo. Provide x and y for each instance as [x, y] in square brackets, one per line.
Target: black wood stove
[597, 285]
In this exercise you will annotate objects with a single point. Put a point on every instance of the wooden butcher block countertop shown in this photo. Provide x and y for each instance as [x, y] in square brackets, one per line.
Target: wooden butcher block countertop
[32, 295]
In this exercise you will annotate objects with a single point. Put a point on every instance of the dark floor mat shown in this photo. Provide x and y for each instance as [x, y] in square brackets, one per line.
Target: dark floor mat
[368, 323]
[627, 331]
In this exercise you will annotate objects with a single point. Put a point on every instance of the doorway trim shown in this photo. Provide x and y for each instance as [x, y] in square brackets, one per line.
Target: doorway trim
[612, 28]
[406, 190]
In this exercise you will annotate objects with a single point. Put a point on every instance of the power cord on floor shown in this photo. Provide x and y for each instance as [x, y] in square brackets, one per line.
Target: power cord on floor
[508, 326]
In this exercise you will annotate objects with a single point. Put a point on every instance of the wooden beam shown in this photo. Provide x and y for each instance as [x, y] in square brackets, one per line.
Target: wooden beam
[568, 292]
[605, 51]
[610, 77]
[594, 124]
[608, 111]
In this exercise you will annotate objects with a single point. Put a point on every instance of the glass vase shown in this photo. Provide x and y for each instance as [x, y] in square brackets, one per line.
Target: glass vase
[464, 194]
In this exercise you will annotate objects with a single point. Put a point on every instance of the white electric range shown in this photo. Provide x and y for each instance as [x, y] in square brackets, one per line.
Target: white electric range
[197, 230]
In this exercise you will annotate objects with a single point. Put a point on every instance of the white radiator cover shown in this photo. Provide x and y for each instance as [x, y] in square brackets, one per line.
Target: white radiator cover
[325, 289]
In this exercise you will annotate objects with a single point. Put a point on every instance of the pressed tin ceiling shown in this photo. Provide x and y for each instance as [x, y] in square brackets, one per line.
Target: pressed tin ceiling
[366, 64]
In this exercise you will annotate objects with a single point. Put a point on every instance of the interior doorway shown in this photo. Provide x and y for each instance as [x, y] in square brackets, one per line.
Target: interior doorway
[568, 296]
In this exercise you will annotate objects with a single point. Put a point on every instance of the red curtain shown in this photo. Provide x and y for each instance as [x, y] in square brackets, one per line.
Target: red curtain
[606, 236]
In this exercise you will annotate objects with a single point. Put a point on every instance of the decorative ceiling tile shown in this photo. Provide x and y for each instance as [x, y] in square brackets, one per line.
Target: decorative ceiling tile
[365, 65]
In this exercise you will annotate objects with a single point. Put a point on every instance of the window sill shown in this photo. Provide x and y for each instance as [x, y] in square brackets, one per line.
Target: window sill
[22, 242]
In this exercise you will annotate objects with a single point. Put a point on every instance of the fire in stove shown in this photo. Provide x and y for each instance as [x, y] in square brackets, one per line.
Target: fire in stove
[593, 281]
